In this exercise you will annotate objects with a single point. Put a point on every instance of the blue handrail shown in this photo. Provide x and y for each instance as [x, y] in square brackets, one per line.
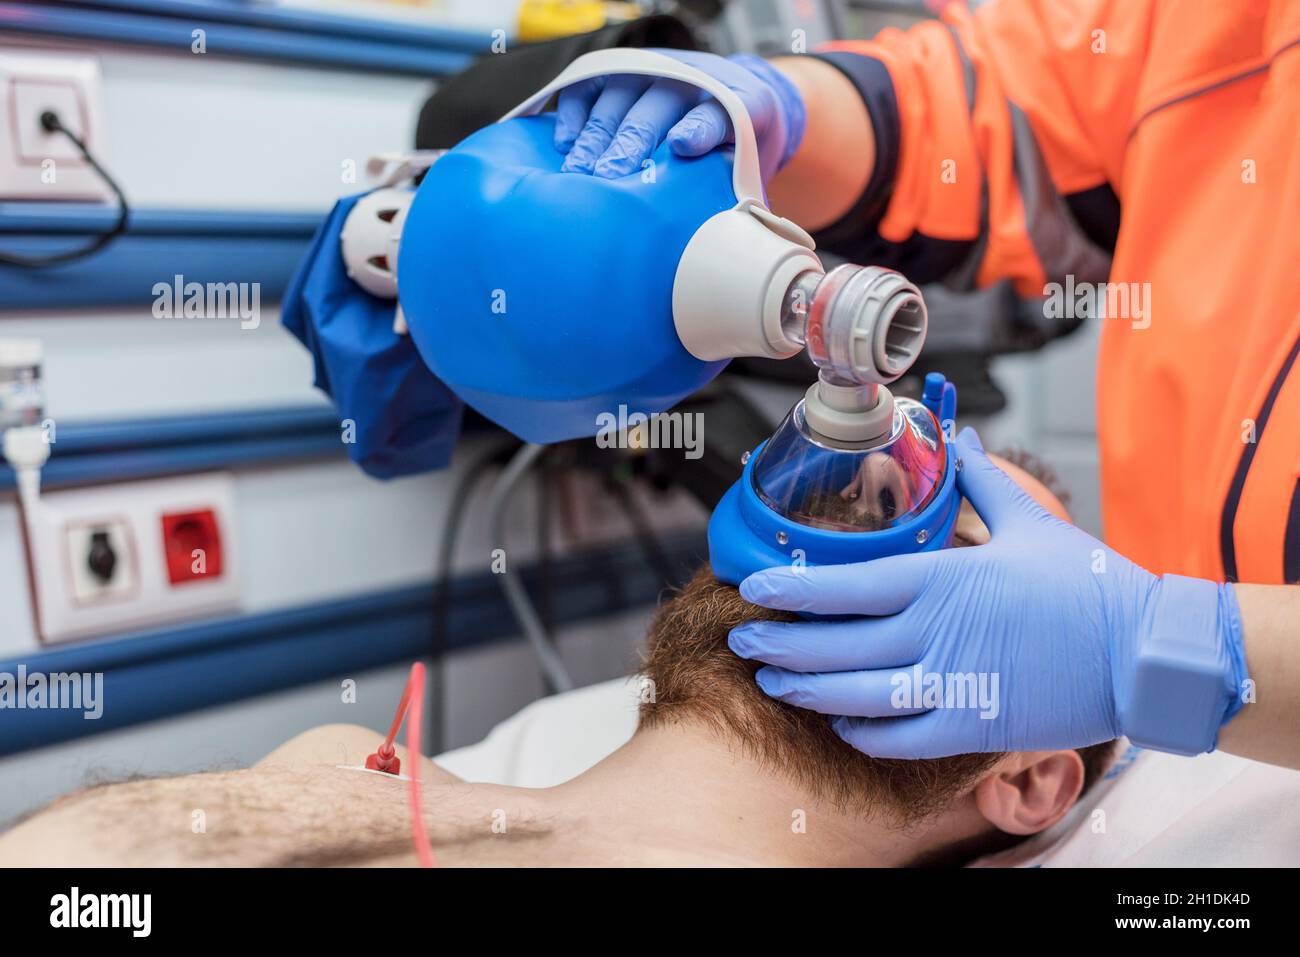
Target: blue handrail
[269, 34]
[117, 451]
[405, 32]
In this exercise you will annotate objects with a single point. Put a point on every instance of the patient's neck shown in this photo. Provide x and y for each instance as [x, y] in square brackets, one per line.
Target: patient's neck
[684, 791]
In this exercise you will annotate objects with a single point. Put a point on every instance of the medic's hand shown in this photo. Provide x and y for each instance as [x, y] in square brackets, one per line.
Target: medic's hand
[1044, 616]
[610, 125]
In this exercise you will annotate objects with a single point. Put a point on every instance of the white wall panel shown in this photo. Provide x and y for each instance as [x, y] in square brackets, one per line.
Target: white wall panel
[203, 131]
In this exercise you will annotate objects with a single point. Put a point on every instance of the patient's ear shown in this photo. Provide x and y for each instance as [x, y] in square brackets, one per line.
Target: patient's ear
[1030, 791]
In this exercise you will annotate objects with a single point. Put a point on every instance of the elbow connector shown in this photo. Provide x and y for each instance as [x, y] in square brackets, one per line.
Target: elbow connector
[862, 327]
[749, 283]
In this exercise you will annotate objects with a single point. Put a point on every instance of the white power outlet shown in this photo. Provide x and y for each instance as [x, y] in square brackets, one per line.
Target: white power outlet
[113, 558]
[101, 561]
[36, 164]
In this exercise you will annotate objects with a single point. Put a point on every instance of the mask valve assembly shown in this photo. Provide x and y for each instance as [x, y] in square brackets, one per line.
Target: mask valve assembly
[862, 327]
[852, 473]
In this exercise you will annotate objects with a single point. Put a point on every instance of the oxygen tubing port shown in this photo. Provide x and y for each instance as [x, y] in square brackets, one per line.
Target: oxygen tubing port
[900, 334]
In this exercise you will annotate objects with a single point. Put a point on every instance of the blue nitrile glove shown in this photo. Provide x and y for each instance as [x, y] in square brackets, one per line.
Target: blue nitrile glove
[1069, 643]
[610, 125]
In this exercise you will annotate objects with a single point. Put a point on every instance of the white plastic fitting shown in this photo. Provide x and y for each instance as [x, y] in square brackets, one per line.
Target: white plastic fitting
[27, 450]
[26, 447]
[731, 285]
[866, 324]
[370, 239]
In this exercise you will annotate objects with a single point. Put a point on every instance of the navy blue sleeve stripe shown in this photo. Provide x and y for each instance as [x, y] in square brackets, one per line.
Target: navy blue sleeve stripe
[1096, 211]
[854, 236]
[869, 76]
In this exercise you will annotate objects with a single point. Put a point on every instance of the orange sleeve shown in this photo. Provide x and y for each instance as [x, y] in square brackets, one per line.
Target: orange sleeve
[1001, 116]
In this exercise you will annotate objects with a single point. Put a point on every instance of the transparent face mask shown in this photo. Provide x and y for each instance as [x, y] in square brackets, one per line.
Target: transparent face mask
[810, 480]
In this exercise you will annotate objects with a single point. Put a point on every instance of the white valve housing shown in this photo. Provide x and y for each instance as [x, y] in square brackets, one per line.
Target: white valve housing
[370, 239]
[731, 284]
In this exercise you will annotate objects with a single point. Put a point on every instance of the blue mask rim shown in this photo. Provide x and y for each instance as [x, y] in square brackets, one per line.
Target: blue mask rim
[746, 536]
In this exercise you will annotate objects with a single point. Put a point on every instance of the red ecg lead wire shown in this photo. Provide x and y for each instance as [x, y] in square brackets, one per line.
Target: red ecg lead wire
[415, 686]
[386, 760]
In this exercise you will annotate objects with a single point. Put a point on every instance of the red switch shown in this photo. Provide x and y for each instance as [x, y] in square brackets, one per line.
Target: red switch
[192, 543]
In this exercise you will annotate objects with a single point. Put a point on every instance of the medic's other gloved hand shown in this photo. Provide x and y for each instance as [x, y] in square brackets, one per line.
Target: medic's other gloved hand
[1057, 616]
[610, 125]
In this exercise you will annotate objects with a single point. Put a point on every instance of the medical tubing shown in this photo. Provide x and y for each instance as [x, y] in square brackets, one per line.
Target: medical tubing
[456, 512]
[545, 567]
[385, 757]
[548, 657]
[51, 123]
[387, 747]
[651, 549]
[415, 696]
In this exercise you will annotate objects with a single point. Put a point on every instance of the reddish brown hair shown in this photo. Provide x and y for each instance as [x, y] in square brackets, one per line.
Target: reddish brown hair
[696, 678]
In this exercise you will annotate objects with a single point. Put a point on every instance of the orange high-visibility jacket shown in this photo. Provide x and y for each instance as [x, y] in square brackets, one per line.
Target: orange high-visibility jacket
[1005, 137]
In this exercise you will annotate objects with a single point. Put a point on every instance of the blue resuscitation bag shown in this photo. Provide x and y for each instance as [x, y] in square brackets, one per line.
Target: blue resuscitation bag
[545, 299]
[551, 301]
[404, 420]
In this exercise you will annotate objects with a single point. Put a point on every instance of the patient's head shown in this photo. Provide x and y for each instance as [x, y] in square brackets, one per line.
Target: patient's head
[698, 679]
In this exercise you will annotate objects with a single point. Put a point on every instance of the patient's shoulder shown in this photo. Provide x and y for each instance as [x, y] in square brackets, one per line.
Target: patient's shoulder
[346, 745]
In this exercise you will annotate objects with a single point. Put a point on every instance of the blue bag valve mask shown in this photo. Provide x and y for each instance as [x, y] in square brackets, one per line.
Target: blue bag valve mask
[549, 300]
